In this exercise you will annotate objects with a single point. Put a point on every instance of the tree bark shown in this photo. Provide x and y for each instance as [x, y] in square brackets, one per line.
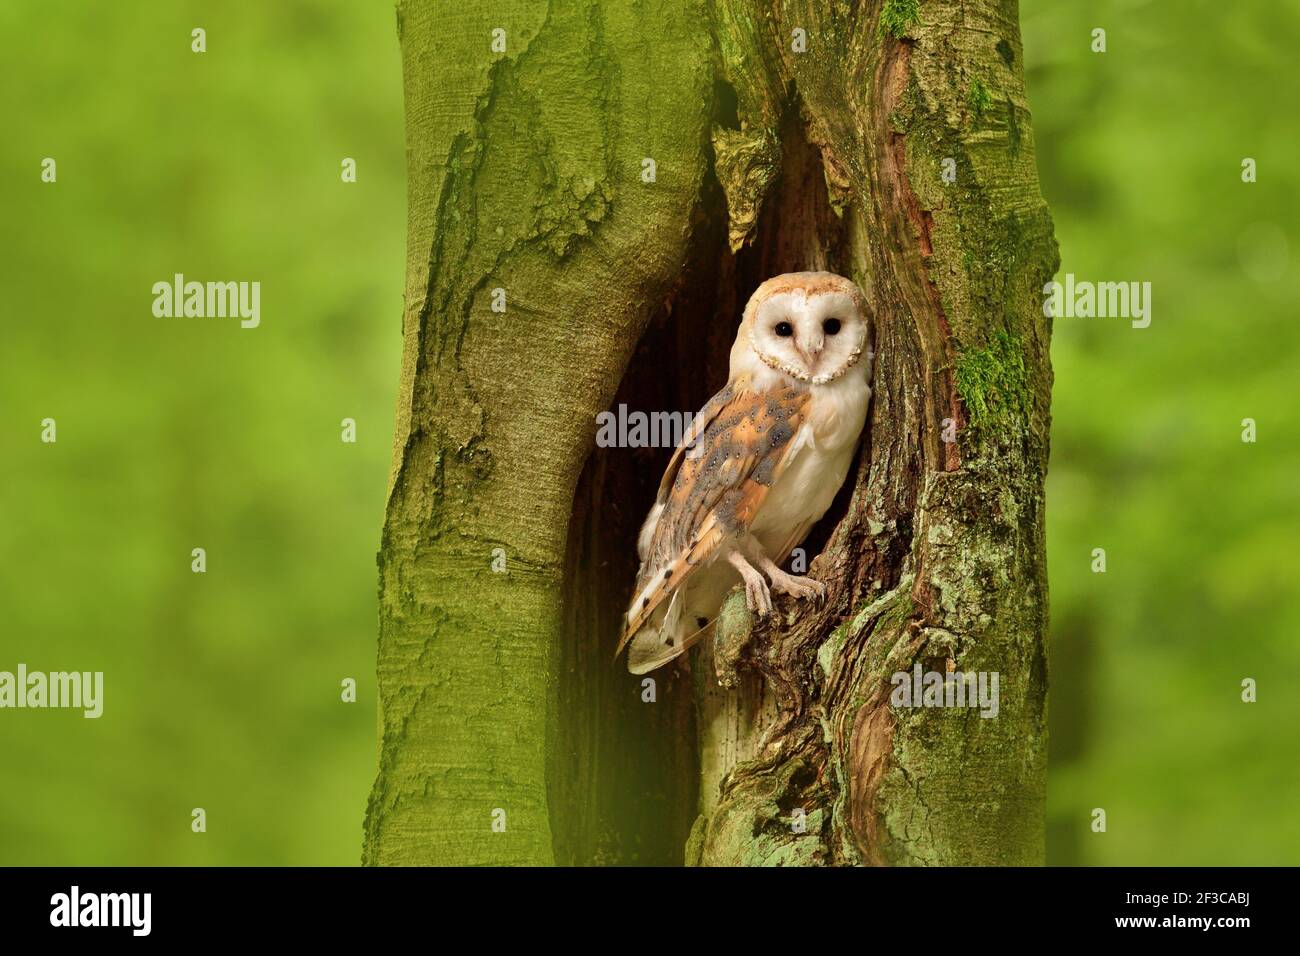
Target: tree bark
[507, 734]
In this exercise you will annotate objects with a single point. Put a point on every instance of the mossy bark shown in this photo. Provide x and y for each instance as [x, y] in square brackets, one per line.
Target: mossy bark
[525, 175]
[811, 134]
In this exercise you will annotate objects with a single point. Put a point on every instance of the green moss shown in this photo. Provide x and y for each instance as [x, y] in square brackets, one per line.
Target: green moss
[695, 842]
[993, 382]
[978, 98]
[891, 612]
[896, 16]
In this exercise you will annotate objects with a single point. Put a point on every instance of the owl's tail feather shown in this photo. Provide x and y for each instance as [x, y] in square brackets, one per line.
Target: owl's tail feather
[654, 647]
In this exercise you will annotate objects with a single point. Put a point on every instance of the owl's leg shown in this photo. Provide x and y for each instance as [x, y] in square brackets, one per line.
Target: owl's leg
[792, 584]
[757, 596]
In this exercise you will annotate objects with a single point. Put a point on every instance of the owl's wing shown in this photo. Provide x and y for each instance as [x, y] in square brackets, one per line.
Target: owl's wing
[716, 482]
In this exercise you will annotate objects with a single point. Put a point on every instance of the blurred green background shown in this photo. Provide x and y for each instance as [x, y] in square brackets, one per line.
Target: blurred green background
[223, 689]
[1140, 151]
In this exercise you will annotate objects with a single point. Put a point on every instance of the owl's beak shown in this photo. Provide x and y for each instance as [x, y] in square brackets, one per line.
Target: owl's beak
[809, 350]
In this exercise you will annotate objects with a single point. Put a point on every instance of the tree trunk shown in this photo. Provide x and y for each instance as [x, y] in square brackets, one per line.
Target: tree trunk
[891, 145]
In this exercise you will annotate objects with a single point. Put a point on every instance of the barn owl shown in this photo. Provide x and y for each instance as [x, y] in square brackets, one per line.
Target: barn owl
[757, 467]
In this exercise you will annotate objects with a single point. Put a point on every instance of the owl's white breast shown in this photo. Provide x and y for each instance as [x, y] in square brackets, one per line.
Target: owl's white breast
[821, 454]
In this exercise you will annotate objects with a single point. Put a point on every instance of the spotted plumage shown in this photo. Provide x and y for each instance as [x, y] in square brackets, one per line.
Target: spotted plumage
[757, 467]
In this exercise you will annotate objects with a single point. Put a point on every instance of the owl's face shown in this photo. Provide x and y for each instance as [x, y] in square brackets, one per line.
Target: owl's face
[810, 325]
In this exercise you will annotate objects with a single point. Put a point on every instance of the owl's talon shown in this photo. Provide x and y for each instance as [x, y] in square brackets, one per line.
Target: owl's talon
[796, 586]
[758, 598]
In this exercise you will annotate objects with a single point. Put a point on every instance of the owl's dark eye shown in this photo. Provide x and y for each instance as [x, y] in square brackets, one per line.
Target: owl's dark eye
[784, 329]
[831, 326]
